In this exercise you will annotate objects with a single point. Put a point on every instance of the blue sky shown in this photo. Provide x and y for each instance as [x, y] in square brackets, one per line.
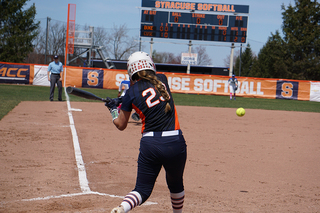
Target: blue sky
[264, 18]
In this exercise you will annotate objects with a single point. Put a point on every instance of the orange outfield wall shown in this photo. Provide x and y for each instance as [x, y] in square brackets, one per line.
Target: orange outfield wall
[196, 84]
[178, 82]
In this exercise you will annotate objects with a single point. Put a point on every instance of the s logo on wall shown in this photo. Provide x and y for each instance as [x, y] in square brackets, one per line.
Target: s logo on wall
[92, 78]
[287, 90]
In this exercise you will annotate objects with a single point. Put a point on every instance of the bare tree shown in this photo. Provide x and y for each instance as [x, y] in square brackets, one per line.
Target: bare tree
[117, 43]
[57, 37]
[226, 60]
[101, 36]
[39, 42]
[35, 57]
[165, 57]
[55, 46]
[102, 39]
[170, 58]
[121, 45]
[203, 57]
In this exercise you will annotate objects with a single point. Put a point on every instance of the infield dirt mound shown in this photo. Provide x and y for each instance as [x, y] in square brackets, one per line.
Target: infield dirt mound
[266, 161]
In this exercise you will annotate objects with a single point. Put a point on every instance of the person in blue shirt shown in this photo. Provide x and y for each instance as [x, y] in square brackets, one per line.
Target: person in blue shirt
[55, 69]
[162, 143]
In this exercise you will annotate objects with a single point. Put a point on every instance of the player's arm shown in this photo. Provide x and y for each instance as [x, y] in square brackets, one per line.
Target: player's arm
[49, 70]
[61, 72]
[235, 85]
[121, 121]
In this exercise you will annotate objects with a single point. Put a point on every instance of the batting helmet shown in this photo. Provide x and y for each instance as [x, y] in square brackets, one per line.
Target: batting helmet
[139, 61]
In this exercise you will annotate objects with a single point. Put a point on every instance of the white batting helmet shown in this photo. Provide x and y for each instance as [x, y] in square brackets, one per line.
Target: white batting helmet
[139, 61]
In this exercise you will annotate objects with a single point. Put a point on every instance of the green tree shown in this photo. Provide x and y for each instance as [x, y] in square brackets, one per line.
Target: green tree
[247, 61]
[17, 30]
[301, 31]
[272, 59]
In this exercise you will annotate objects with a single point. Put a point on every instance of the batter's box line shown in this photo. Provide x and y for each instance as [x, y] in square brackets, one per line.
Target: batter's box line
[82, 193]
[84, 184]
[76, 110]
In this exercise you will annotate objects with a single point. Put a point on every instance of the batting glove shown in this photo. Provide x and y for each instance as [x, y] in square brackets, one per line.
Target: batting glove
[118, 101]
[112, 106]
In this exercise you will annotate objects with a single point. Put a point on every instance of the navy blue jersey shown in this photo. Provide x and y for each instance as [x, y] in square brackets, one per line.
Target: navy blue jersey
[150, 105]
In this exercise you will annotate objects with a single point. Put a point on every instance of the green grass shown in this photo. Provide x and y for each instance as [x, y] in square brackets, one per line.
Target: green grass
[12, 95]
[247, 103]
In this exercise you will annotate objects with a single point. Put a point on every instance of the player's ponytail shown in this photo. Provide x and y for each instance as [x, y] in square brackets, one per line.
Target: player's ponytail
[152, 78]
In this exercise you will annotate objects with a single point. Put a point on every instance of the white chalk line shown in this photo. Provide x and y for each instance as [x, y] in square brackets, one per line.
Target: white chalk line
[71, 195]
[83, 181]
[79, 194]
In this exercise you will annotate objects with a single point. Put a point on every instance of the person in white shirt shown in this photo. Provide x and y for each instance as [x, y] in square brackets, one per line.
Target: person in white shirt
[123, 87]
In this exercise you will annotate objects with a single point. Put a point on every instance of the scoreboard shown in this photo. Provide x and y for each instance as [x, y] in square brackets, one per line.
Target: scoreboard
[195, 25]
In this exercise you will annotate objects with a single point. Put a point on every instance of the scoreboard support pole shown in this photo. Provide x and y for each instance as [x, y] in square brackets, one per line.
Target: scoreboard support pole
[231, 60]
[240, 60]
[188, 67]
[151, 47]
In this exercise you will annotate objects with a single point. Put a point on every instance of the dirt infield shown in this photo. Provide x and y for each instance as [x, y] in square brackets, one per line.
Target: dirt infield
[266, 161]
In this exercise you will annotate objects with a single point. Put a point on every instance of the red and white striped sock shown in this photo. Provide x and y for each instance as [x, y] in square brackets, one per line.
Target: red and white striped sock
[132, 200]
[177, 200]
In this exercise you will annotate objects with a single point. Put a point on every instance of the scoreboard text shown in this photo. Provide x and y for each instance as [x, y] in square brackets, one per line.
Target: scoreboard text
[194, 21]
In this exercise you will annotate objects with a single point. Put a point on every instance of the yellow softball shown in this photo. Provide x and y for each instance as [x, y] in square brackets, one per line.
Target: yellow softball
[240, 112]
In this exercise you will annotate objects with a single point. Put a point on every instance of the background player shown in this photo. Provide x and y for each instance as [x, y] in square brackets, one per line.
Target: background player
[233, 86]
[123, 87]
[162, 142]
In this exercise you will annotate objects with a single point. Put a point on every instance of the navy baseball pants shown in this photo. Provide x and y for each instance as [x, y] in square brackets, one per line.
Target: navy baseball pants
[157, 151]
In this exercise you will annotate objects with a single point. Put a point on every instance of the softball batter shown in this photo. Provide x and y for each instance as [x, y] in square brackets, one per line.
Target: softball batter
[162, 142]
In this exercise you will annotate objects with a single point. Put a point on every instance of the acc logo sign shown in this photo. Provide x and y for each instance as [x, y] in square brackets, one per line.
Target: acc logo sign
[14, 73]
[287, 90]
[92, 78]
